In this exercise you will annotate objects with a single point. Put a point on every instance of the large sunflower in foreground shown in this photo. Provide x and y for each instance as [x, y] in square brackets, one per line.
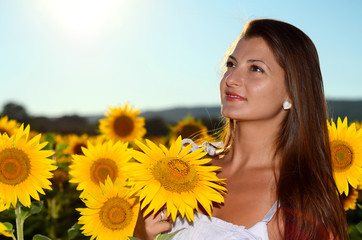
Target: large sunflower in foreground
[192, 129]
[122, 124]
[8, 126]
[175, 178]
[358, 125]
[346, 153]
[110, 215]
[98, 162]
[24, 167]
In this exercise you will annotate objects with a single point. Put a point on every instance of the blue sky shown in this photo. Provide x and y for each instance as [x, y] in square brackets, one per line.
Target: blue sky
[82, 56]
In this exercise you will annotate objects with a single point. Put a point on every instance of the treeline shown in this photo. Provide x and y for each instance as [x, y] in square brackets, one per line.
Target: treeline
[63, 125]
[155, 126]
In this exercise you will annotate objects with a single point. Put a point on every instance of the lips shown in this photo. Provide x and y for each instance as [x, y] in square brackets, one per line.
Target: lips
[231, 96]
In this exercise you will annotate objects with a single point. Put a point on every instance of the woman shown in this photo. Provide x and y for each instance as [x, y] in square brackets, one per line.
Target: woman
[276, 155]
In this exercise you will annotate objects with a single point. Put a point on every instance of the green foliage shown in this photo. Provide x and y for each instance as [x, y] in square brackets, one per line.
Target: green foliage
[166, 236]
[9, 226]
[74, 231]
[40, 237]
[51, 141]
[354, 218]
[35, 208]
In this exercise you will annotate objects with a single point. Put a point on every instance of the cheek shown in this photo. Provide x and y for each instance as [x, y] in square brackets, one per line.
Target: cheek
[267, 95]
[265, 88]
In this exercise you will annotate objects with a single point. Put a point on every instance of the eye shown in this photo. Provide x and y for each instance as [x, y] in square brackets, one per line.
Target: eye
[255, 68]
[230, 64]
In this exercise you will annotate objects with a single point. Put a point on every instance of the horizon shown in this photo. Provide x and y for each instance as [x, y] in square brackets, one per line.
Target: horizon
[147, 111]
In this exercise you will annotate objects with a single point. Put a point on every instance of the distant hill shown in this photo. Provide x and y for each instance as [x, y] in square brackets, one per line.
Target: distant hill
[336, 108]
[174, 115]
[345, 108]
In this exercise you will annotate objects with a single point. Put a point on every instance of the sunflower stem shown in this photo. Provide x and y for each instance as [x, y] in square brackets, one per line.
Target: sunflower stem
[53, 217]
[19, 223]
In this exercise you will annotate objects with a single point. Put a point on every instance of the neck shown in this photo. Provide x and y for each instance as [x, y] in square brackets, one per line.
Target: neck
[254, 144]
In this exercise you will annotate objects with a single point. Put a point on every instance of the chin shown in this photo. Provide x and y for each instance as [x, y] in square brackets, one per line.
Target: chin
[229, 113]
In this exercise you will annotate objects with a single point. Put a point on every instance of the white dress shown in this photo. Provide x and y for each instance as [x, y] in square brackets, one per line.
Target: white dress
[206, 228]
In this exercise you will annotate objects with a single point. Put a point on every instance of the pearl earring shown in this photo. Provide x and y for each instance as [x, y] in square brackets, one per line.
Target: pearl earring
[286, 105]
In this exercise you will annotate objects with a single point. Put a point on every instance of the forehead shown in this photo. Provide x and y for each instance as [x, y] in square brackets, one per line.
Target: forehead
[256, 48]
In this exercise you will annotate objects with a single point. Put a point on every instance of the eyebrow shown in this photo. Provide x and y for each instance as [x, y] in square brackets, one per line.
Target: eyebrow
[232, 57]
[250, 61]
[257, 60]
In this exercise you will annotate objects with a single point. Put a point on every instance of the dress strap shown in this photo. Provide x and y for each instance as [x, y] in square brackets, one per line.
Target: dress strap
[270, 214]
[210, 147]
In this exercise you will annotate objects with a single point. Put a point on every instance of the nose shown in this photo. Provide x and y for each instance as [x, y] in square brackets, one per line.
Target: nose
[233, 78]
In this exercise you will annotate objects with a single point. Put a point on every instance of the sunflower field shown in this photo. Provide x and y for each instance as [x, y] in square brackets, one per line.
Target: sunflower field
[79, 186]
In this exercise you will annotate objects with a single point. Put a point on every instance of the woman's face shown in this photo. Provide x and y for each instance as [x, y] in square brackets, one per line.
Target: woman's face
[253, 86]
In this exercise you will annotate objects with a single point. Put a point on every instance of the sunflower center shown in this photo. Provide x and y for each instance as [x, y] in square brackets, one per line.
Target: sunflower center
[342, 155]
[59, 176]
[123, 126]
[175, 174]
[2, 131]
[189, 131]
[14, 166]
[102, 168]
[116, 213]
[77, 149]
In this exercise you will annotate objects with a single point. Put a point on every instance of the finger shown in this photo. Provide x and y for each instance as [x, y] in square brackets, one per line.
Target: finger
[163, 215]
[155, 225]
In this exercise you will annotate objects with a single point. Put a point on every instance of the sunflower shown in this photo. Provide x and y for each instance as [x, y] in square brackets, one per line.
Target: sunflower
[110, 215]
[24, 167]
[5, 231]
[3, 205]
[8, 126]
[98, 162]
[349, 202]
[192, 129]
[59, 178]
[123, 124]
[346, 153]
[358, 125]
[175, 178]
[75, 144]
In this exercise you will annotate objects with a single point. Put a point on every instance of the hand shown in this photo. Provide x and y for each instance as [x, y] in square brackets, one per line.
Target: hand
[149, 227]
[156, 224]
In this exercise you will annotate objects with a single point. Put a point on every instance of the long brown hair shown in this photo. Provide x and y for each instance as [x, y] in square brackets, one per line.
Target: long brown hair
[306, 191]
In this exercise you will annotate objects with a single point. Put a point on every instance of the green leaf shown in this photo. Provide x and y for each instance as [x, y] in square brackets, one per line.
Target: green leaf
[40, 237]
[359, 205]
[61, 146]
[74, 231]
[61, 155]
[133, 238]
[50, 139]
[167, 236]
[359, 227]
[36, 207]
[9, 226]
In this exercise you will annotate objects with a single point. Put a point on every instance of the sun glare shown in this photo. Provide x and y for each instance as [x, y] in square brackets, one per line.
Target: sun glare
[83, 20]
